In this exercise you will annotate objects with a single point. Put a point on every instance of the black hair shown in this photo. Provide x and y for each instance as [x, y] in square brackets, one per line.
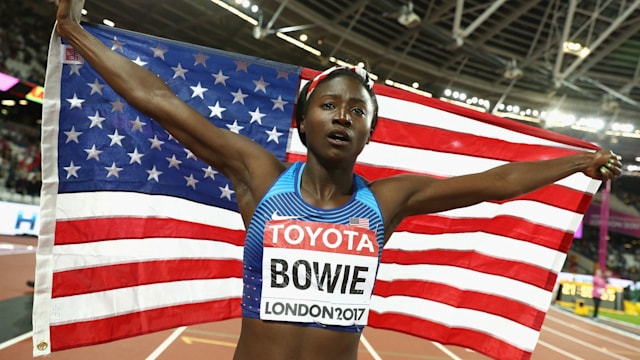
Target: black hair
[302, 105]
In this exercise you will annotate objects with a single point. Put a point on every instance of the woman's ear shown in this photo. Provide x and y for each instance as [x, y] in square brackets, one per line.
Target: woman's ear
[370, 136]
[301, 125]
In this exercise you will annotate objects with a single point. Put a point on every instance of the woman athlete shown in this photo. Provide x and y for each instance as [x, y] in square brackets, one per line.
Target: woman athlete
[336, 117]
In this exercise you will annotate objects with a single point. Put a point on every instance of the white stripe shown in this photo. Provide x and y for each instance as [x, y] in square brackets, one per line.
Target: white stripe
[499, 327]
[500, 247]
[73, 206]
[122, 301]
[532, 211]
[102, 253]
[436, 163]
[410, 112]
[466, 279]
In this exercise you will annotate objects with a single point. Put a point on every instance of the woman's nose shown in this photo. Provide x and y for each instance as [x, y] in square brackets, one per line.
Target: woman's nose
[342, 117]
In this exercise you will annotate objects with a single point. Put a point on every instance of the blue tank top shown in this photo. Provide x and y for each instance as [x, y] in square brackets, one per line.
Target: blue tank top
[308, 265]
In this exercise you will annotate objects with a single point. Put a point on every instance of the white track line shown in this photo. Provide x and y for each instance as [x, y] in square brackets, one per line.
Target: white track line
[165, 344]
[446, 351]
[558, 350]
[370, 348]
[597, 335]
[16, 340]
[584, 343]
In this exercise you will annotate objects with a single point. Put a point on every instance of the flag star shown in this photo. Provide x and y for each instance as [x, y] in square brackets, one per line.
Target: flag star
[256, 116]
[75, 102]
[72, 135]
[238, 96]
[135, 156]
[274, 135]
[242, 66]
[191, 181]
[226, 192]
[117, 105]
[139, 62]
[235, 127]
[190, 154]
[209, 172]
[116, 45]
[96, 120]
[170, 136]
[96, 87]
[154, 174]
[198, 91]
[137, 124]
[72, 170]
[93, 153]
[279, 103]
[173, 162]
[220, 78]
[179, 71]
[113, 170]
[216, 110]
[282, 74]
[155, 143]
[75, 69]
[116, 138]
[158, 51]
[200, 59]
[261, 85]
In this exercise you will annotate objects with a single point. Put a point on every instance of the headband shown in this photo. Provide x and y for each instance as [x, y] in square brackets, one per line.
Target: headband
[357, 69]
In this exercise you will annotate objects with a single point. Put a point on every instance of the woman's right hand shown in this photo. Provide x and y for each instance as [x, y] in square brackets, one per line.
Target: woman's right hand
[69, 11]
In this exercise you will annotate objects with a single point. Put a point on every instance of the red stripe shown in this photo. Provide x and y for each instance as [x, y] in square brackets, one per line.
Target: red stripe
[382, 90]
[463, 299]
[554, 195]
[472, 260]
[119, 327]
[483, 343]
[102, 278]
[416, 136]
[100, 229]
[507, 226]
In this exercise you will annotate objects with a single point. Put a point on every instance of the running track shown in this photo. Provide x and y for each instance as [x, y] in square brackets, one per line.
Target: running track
[564, 335]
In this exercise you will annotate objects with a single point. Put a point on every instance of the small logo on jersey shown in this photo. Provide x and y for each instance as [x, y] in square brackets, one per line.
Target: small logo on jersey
[359, 222]
[276, 217]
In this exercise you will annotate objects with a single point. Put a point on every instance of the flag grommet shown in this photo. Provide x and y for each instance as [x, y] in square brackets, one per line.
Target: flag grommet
[43, 345]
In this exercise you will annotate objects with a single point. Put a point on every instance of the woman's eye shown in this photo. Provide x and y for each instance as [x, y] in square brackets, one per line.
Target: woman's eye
[359, 111]
[327, 106]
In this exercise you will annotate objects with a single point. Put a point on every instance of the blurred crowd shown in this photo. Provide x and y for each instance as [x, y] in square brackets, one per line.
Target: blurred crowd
[20, 170]
[24, 38]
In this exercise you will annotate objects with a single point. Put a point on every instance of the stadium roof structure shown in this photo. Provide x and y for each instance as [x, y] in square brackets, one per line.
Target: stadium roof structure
[580, 57]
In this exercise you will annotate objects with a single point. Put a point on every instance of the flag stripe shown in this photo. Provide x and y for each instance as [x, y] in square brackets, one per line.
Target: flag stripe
[484, 343]
[500, 225]
[94, 332]
[103, 278]
[100, 229]
[400, 133]
[466, 279]
[512, 332]
[472, 260]
[513, 310]
[499, 247]
[112, 252]
[554, 195]
[127, 300]
[438, 164]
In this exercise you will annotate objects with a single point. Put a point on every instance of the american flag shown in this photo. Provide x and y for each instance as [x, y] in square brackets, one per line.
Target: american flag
[138, 235]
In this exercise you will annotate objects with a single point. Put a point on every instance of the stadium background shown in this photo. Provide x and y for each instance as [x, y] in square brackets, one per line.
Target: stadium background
[511, 64]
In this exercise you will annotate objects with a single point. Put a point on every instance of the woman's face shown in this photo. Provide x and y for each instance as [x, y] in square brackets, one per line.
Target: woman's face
[337, 123]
